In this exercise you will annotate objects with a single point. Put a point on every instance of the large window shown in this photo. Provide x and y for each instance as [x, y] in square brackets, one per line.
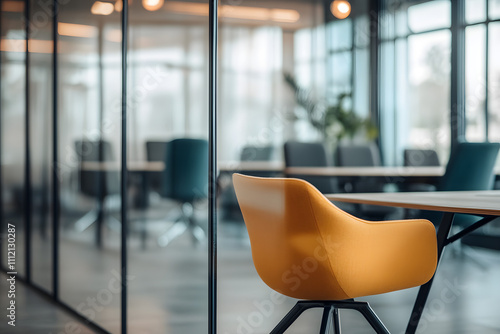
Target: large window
[482, 70]
[415, 67]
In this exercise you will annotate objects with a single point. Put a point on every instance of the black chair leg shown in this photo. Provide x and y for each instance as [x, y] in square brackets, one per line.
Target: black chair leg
[336, 321]
[372, 318]
[291, 316]
[331, 308]
[325, 320]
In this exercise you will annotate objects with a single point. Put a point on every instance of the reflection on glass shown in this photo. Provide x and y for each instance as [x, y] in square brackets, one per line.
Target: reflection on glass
[429, 15]
[494, 83]
[475, 11]
[475, 85]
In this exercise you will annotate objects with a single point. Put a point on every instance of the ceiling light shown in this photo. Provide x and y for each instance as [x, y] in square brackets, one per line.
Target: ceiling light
[340, 9]
[152, 5]
[102, 8]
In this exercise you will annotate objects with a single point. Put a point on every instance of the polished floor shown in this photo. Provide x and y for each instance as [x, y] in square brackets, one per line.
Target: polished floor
[168, 290]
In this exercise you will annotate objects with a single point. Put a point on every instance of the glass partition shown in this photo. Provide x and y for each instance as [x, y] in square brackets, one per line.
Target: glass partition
[41, 47]
[167, 102]
[89, 146]
[13, 107]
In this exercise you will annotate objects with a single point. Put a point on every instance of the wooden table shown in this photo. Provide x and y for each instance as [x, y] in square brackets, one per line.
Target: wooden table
[132, 166]
[251, 166]
[481, 203]
[367, 171]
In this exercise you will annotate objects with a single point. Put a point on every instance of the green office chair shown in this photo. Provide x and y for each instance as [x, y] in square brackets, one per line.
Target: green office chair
[471, 167]
[185, 179]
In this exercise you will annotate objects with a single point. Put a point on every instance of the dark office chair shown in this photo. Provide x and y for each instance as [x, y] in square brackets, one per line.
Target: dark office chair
[228, 202]
[363, 156]
[155, 151]
[470, 167]
[101, 185]
[291, 224]
[419, 158]
[185, 179]
[256, 153]
[299, 154]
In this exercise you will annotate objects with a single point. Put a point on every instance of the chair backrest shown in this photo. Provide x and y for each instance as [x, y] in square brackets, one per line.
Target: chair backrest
[155, 151]
[305, 247]
[420, 158]
[357, 156]
[88, 150]
[185, 176]
[95, 183]
[300, 154]
[471, 167]
[256, 153]
[282, 227]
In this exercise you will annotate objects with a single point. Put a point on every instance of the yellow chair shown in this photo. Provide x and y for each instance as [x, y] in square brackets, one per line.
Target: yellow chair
[304, 247]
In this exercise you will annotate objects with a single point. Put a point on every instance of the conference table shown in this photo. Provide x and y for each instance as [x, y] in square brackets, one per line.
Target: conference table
[481, 203]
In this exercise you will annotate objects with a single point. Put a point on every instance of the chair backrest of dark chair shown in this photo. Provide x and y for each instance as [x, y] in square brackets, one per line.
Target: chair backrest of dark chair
[357, 156]
[256, 153]
[420, 158]
[89, 151]
[471, 167]
[95, 183]
[300, 154]
[155, 151]
[186, 169]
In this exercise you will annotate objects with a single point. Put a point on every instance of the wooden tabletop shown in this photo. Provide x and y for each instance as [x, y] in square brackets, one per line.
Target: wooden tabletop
[133, 166]
[367, 171]
[261, 166]
[472, 202]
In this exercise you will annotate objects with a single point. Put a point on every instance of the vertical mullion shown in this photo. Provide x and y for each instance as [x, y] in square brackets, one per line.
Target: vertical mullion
[212, 169]
[124, 170]
[457, 83]
[55, 158]
[27, 154]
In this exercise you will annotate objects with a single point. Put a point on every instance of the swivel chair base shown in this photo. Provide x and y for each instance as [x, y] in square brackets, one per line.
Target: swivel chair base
[185, 222]
[330, 308]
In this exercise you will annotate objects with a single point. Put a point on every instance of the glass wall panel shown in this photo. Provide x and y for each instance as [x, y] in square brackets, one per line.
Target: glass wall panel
[429, 15]
[475, 84]
[13, 127]
[89, 135]
[41, 141]
[494, 82]
[475, 11]
[168, 99]
[494, 8]
[429, 91]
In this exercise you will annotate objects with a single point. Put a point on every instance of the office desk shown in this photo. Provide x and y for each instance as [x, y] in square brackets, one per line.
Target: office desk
[481, 203]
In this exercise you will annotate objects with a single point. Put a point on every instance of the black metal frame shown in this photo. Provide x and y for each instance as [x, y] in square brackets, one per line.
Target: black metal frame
[212, 167]
[330, 312]
[442, 240]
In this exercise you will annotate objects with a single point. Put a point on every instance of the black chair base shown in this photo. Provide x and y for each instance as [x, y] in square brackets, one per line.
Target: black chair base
[330, 308]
